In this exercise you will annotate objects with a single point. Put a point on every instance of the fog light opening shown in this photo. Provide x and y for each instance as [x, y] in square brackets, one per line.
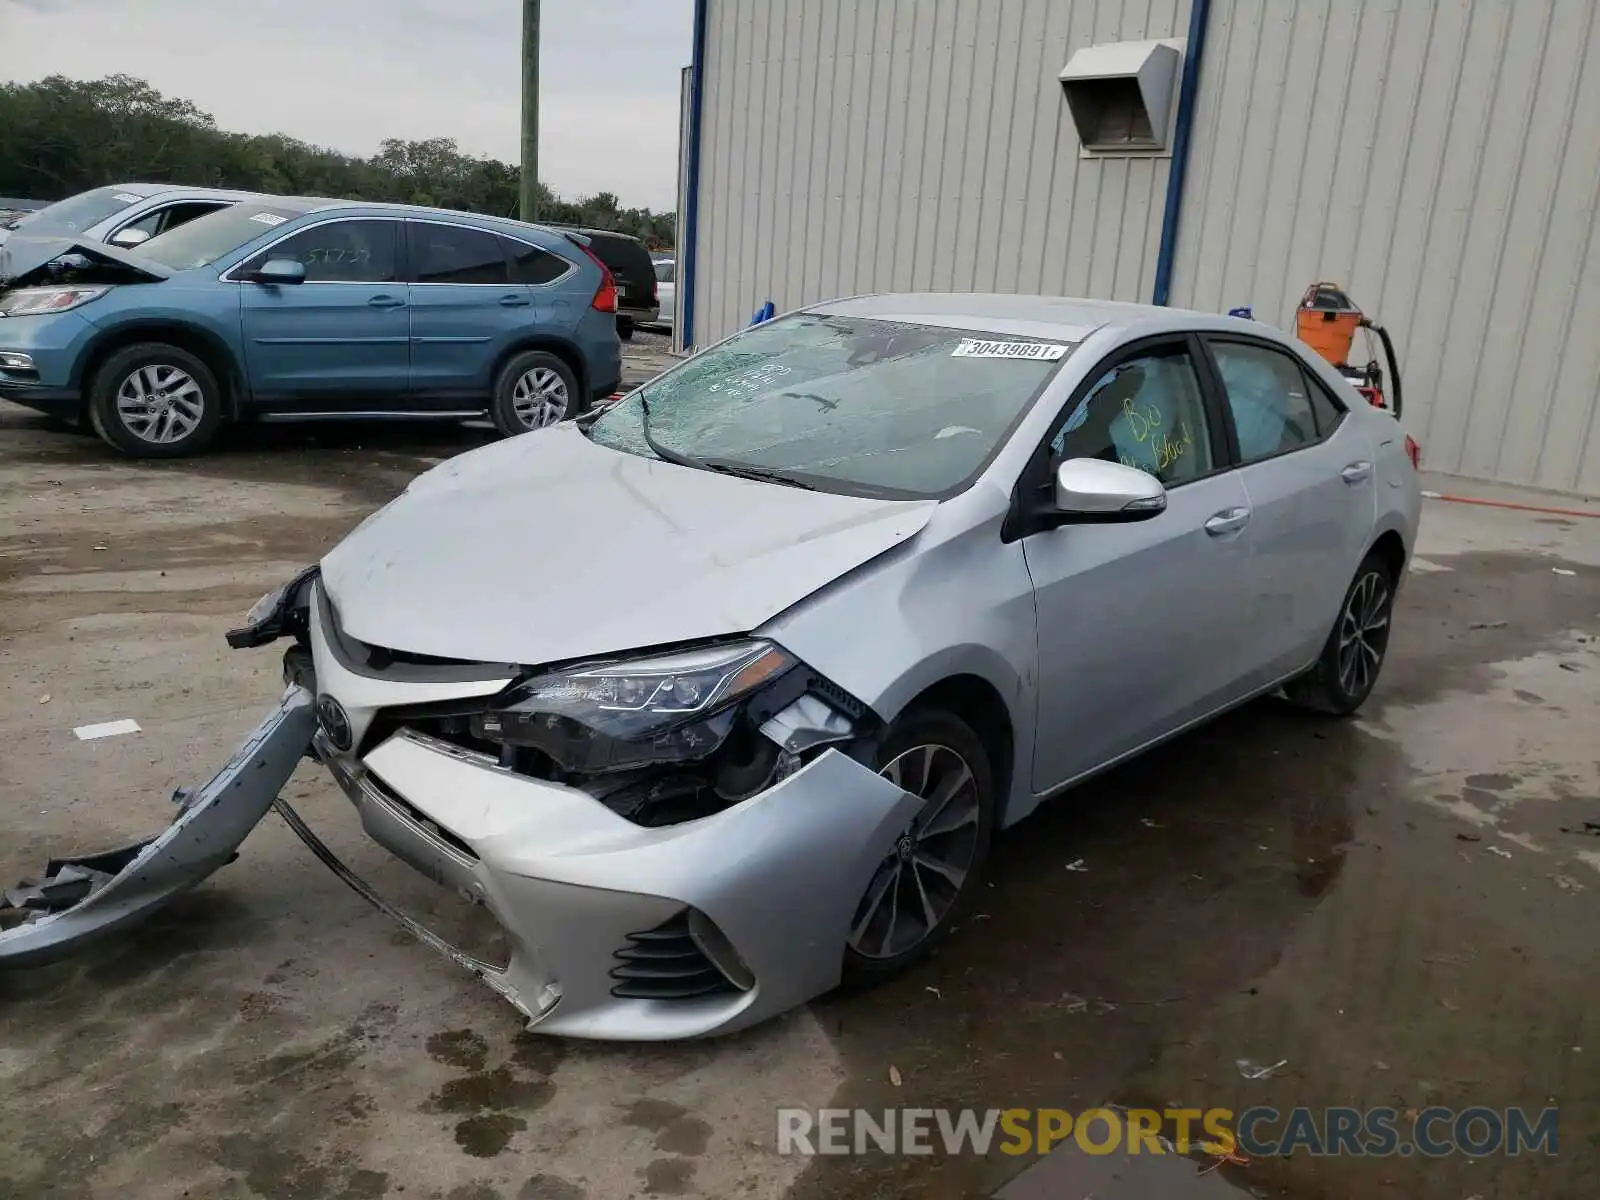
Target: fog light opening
[714, 944]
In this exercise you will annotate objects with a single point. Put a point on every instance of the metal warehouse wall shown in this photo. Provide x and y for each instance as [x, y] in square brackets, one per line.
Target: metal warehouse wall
[874, 145]
[1442, 158]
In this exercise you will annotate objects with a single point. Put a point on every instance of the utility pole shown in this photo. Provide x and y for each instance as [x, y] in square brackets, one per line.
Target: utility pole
[530, 110]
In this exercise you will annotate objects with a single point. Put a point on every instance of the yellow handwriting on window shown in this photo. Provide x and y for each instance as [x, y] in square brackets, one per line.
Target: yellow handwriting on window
[1141, 423]
[1170, 449]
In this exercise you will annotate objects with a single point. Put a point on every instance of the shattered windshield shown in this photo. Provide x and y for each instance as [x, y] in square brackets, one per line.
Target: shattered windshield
[882, 408]
[202, 241]
[76, 213]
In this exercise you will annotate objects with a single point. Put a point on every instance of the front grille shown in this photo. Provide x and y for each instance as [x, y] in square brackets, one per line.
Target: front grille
[665, 964]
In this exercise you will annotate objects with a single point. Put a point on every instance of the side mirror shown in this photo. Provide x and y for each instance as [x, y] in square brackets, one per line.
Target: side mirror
[279, 270]
[128, 238]
[1090, 490]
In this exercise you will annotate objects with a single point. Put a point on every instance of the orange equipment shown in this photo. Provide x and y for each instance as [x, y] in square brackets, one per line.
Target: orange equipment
[1327, 320]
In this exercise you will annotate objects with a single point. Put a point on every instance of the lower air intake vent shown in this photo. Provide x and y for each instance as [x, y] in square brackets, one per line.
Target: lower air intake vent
[666, 963]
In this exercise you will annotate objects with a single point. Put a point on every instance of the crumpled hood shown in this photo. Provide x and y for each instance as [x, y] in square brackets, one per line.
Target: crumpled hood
[547, 547]
[22, 256]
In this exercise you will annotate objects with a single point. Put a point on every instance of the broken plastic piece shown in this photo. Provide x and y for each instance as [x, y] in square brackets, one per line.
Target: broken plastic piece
[84, 897]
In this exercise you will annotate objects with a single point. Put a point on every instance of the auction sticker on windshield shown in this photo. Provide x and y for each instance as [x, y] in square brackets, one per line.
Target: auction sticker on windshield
[1040, 351]
[269, 218]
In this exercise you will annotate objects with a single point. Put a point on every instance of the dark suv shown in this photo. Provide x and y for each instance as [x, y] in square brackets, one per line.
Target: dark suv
[631, 266]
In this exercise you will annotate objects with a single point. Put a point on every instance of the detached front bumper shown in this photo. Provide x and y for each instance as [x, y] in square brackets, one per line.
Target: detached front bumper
[81, 898]
[624, 932]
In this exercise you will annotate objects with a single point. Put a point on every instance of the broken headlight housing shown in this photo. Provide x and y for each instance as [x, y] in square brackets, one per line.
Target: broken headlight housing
[668, 708]
[280, 611]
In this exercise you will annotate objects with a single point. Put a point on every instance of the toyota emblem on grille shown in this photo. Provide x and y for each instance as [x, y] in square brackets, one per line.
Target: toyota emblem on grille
[335, 722]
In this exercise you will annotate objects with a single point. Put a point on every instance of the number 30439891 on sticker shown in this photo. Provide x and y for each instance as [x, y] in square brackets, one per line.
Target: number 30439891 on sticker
[1038, 351]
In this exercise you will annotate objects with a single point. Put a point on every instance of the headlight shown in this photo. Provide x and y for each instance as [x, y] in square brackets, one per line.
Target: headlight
[669, 708]
[26, 302]
[272, 616]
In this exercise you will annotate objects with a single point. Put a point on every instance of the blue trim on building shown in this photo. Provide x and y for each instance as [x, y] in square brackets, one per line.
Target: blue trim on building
[689, 236]
[1188, 92]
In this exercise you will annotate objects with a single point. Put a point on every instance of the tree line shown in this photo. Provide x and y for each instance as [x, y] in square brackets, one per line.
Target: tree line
[60, 136]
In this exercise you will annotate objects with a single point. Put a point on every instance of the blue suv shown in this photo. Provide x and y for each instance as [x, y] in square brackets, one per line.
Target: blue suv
[302, 309]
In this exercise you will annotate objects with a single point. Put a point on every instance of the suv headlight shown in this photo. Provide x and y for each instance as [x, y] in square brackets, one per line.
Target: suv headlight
[612, 716]
[32, 301]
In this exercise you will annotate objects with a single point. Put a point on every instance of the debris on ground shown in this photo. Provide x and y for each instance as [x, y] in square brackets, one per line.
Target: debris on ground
[1562, 571]
[1487, 625]
[894, 1075]
[1567, 884]
[1569, 666]
[1468, 837]
[937, 994]
[1249, 1070]
[1499, 851]
[45, 699]
[1150, 824]
[1077, 864]
[105, 729]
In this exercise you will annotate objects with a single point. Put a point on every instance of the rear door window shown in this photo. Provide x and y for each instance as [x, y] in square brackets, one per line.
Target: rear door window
[455, 254]
[1269, 398]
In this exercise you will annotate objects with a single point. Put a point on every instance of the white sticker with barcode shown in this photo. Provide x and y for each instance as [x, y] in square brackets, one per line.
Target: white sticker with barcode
[1037, 351]
[269, 218]
[127, 197]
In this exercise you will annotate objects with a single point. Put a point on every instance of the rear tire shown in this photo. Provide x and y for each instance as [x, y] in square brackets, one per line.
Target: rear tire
[155, 400]
[926, 883]
[534, 390]
[1355, 651]
[625, 328]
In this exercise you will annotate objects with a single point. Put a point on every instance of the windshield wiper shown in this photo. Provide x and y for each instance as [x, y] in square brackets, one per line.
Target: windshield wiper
[764, 474]
[665, 453]
[739, 470]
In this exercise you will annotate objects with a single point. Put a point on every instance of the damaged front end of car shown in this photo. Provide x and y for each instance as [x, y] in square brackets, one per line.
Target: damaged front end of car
[672, 843]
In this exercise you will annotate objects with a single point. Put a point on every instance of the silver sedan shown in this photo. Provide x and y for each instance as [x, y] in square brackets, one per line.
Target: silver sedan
[719, 696]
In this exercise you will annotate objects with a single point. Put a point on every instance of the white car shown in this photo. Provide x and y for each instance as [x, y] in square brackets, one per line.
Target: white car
[838, 598]
[124, 214]
[667, 291]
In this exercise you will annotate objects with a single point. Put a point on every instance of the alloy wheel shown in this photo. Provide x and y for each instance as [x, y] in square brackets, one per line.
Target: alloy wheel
[916, 885]
[1363, 634]
[539, 398]
[160, 403]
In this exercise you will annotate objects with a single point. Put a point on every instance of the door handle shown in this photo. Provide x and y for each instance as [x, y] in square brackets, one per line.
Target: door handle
[1229, 520]
[514, 301]
[1357, 472]
[386, 302]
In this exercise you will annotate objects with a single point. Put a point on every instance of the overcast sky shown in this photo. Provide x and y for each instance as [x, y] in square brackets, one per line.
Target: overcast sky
[349, 73]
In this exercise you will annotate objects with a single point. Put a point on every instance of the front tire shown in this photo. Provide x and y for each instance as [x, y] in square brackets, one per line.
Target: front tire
[1355, 651]
[155, 400]
[921, 889]
[534, 391]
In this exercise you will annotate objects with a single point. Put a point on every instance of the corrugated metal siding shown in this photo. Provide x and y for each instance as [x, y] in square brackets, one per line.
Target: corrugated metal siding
[1443, 160]
[875, 145]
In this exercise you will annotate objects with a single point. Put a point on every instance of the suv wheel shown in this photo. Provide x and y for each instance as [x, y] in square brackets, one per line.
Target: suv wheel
[154, 400]
[535, 389]
[625, 328]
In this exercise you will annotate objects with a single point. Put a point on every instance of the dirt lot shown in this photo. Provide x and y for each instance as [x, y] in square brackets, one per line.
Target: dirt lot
[1392, 904]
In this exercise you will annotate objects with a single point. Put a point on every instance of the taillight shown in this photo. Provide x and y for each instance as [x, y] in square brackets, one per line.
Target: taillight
[605, 298]
[1414, 452]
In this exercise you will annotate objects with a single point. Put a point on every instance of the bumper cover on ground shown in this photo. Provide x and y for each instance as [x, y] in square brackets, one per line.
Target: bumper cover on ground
[82, 898]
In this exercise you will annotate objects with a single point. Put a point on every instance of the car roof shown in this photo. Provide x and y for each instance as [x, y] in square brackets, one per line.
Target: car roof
[388, 208]
[1062, 317]
[157, 189]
